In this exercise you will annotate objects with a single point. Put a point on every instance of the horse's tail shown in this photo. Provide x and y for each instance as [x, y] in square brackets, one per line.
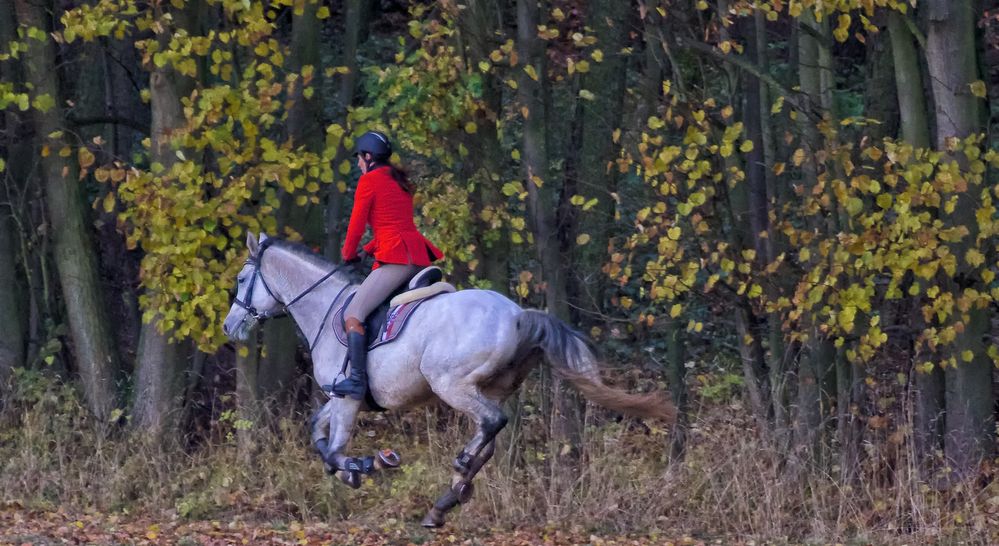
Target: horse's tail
[571, 358]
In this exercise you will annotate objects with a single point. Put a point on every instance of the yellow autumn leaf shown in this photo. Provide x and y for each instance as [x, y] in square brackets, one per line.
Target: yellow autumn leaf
[846, 317]
[978, 89]
[777, 106]
[675, 310]
[86, 157]
[798, 158]
[583, 238]
[974, 257]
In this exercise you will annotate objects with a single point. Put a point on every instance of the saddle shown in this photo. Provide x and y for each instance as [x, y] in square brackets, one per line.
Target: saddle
[388, 320]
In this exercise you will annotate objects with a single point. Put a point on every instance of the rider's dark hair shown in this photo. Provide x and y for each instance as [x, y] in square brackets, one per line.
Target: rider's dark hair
[398, 173]
[401, 177]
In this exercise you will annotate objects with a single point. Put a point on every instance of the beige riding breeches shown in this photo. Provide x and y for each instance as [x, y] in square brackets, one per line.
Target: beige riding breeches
[377, 287]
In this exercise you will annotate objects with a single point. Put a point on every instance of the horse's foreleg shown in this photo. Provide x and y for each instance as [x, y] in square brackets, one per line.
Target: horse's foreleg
[319, 429]
[461, 488]
[341, 428]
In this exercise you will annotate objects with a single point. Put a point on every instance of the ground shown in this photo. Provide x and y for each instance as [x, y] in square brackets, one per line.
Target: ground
[22, 527]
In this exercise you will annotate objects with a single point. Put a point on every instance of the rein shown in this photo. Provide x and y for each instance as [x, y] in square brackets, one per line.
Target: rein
[256, 261]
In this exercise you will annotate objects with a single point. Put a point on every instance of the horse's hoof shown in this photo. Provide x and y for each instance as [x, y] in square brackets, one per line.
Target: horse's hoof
[433, 519]
[387, 458]
[464, 490]
[351, 478]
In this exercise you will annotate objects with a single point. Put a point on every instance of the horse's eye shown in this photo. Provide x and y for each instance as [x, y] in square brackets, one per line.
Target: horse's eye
[240, 281]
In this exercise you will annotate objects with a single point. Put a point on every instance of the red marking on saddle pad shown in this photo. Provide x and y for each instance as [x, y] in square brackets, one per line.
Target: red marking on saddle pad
[398, 317]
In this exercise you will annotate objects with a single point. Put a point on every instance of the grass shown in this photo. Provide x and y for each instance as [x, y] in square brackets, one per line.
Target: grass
[52, 455]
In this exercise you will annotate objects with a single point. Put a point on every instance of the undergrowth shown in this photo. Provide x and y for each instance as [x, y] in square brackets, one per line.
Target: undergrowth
[619, 479]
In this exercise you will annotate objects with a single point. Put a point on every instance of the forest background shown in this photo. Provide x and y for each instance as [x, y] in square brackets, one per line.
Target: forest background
[781, 211]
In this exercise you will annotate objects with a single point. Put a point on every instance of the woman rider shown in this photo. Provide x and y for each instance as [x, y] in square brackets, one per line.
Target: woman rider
[383, 200]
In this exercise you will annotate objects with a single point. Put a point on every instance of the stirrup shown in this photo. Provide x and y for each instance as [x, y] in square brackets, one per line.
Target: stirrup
[349, 388]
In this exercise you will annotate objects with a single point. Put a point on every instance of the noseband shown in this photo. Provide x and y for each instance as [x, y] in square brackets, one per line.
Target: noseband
[256, 261]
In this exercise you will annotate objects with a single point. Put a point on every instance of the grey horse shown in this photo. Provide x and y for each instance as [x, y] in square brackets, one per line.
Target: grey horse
[470, 349]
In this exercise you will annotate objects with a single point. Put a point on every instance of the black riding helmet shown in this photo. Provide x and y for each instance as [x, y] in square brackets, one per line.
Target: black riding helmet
[374, 143]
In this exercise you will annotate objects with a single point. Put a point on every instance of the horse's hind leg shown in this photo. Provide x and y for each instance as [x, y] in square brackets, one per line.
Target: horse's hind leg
[485, 413]
[489, 420]
[461, 488]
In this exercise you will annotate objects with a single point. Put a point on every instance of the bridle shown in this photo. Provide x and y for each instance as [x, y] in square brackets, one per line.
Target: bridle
[247, 302]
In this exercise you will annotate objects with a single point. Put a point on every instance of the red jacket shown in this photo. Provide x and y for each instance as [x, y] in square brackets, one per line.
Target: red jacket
[381, 203]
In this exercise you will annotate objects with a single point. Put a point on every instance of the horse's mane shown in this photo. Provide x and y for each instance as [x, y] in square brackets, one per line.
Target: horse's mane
[305, 253]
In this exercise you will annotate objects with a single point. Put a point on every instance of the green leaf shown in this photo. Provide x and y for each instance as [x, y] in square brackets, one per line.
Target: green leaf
[44, 102]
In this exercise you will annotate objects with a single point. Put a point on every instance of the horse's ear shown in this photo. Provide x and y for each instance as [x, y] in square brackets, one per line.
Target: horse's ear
[263, 237]
[251, 243]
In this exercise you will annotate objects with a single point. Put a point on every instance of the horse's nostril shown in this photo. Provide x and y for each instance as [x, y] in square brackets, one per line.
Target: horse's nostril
[225, 329]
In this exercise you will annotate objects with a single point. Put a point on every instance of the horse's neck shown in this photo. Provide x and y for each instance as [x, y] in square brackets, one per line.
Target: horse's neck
[292, 277]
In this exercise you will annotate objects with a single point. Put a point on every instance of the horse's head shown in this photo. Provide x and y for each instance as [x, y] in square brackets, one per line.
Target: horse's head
[254, 301]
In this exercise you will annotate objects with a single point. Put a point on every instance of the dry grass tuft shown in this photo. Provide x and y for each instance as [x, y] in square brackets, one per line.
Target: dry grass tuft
[730, 483]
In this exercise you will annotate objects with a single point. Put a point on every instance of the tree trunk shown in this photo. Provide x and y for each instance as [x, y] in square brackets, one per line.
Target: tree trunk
[743, 234]
[596, 175]
[161, 365]
[74, 252]
[818, 354]
[12, 334]
[915, 127]
[756, 169]
[356, 32]
[927, 387]
[951, 55]
[248, 403]
[479, 23]
[536, 172]
[676, 374]
[278, 365]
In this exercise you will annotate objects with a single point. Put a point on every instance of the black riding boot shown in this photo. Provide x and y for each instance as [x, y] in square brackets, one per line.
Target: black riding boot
[355, 386]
